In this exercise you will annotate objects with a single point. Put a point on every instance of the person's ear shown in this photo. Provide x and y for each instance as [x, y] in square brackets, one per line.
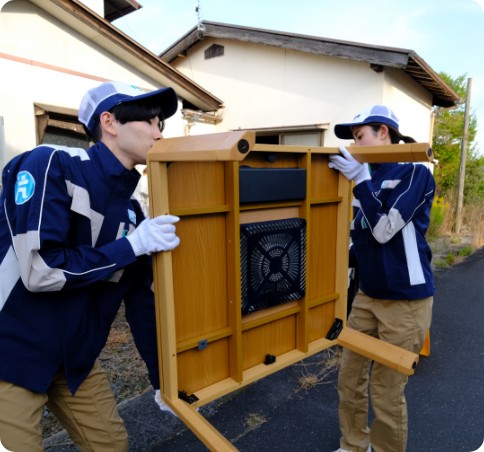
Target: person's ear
[107, 122]
[384, 132]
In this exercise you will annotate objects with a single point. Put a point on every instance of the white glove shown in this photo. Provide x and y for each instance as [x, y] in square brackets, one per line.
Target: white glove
[163, 406]
[154, 235]
[351, 168]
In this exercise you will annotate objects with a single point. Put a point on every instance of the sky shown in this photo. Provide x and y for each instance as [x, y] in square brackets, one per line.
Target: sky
[447, 34]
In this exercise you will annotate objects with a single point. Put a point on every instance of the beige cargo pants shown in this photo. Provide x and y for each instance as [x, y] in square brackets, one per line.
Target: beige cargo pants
[90, 417]
[402, 323]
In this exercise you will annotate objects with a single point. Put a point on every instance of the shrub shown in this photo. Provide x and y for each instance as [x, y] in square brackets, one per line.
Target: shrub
[450, 258]
[438, 214]
[465, 251]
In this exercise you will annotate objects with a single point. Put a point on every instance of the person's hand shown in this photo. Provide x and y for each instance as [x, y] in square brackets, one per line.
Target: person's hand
[154, 235]
[351, 168]
[160, 402]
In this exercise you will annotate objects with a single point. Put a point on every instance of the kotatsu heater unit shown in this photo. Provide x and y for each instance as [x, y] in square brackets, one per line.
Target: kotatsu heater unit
[273, 263]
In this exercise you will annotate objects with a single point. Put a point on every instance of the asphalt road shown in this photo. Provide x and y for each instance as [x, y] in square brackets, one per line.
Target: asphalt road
[445, 396]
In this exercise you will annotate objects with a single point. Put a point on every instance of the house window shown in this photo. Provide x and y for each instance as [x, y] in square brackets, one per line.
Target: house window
[215, 50]
[303, 139]
[60, 126]
[308, 137]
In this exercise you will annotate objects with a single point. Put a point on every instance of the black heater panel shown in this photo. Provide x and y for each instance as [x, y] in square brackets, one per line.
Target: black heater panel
[273, 263]
[271, 184]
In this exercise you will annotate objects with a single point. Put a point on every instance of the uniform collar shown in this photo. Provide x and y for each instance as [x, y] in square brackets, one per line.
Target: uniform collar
[380, 168]
[112, 169]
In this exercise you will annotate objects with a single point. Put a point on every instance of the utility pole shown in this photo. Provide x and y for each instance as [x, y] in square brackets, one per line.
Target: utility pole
[463, 159]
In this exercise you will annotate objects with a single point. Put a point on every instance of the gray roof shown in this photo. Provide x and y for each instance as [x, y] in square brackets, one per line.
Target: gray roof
[378, 57]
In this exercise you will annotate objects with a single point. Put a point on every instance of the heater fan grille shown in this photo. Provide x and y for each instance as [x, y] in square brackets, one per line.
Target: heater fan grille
[273, 263]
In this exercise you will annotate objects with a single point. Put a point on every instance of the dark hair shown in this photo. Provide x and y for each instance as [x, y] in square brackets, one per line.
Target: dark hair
[395, 135]
[132, 111]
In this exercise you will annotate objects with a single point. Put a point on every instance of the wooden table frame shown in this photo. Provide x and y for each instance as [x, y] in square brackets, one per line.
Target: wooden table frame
[207, 349]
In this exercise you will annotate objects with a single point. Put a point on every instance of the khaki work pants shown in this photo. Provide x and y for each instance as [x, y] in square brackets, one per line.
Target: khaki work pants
[402, 323]
[90, 417]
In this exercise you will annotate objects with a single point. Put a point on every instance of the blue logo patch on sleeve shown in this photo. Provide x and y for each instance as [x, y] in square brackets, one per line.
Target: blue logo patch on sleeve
[132, 216]
[24, 187]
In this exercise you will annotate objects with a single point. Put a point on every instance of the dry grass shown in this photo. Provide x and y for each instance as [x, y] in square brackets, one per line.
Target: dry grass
[321, 372]
[450, 248]
[474, 223]
[254, 421]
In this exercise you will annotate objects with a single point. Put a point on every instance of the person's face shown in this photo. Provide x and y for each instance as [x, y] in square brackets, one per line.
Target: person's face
[367, 136]
[134, 139]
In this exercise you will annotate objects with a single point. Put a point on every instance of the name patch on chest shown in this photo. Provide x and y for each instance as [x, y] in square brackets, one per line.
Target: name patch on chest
[389, 184]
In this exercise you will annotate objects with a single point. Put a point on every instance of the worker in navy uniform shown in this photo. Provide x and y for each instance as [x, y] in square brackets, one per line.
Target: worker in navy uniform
[392, 203]
[74, 244]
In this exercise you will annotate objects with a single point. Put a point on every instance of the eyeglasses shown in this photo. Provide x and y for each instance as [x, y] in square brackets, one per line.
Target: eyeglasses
[161, 125]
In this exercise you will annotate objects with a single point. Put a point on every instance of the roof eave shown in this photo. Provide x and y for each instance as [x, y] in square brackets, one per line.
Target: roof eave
[115, 9]
[94, 27]
[404, 59]
[443, 94]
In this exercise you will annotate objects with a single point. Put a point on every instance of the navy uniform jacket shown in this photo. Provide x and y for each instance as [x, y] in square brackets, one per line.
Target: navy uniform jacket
[391, 218]
[66, 266]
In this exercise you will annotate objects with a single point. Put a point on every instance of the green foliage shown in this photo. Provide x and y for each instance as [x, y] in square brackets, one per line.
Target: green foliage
[450, 258]
[437, 216]
[447, 140]
[453, 257]
[440, 264]
[465, 251]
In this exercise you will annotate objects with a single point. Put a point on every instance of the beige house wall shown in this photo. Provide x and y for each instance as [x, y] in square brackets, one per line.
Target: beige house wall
[411, 103]
[272, 87]
[43, 61]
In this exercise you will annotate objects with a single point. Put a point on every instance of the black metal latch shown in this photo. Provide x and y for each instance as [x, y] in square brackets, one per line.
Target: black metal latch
[335, 329]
